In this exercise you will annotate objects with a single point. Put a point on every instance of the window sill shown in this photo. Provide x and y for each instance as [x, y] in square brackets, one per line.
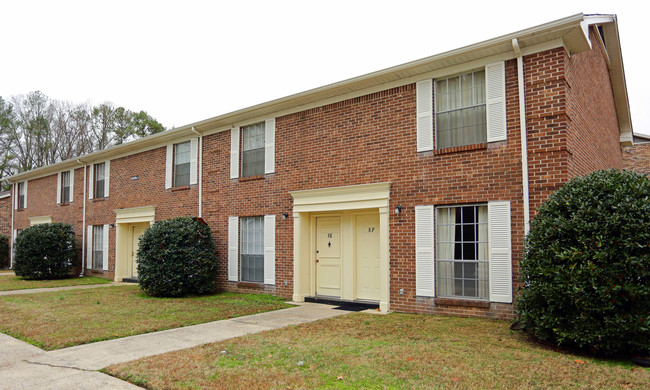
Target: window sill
[464, 148]
[20, 210]
[97, 199]
[64, 204]
[182, 188]
[249, 178]
[461, 302]
[254, 285]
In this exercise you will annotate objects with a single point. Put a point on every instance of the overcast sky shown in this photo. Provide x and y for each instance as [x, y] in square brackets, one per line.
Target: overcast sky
[184, 61]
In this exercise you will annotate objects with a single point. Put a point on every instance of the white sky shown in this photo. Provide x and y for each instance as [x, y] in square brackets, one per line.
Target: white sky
[184, 61]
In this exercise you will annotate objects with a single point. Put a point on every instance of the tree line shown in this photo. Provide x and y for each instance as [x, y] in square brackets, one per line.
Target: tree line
[36, 130]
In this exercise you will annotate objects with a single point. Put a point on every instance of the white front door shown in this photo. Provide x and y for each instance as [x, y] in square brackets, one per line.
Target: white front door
[328, 256]
[367, 255]
[136, 233]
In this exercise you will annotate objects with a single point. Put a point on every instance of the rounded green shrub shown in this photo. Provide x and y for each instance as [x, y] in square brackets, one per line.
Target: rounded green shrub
[4, 251]
[586, 267]
[176, 257]
[46, 251]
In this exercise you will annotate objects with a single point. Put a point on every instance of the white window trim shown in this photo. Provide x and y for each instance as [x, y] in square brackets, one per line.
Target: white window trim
[269, 148]
[107, 179]
[169, 162]
[500, 252]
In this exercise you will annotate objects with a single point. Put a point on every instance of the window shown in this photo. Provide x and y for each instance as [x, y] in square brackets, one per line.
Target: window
[65, 187]
[460, 110]
[253, 150]
[252, 249]
[182, 164]
[22, 195]
[462, 251]
[98, 247]
[100, 180]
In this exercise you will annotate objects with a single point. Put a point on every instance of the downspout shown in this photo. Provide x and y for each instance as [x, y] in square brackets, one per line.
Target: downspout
[524, 140]
[200, 178]
[13, 232]
[83, 231]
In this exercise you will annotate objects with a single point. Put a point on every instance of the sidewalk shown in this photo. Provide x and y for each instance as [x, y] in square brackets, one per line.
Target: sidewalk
[47, 289]
[23, 366]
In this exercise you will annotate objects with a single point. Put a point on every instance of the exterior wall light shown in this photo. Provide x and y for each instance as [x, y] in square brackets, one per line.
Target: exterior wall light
[285, 215]
[398, 209]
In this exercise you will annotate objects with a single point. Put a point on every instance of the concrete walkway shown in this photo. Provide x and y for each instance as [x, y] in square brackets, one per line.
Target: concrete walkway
[23, 366]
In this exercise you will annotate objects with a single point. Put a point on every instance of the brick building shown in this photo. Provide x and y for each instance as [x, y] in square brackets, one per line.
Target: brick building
[637, 157]
[410, 187]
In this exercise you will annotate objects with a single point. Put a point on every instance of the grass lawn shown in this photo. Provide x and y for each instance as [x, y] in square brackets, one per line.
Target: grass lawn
[12, 282]
[62, 319]
[372, 351]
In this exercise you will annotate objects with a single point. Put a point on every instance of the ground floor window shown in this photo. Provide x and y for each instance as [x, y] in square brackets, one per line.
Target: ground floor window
[462, 251]
[98, 247]
[252, 249]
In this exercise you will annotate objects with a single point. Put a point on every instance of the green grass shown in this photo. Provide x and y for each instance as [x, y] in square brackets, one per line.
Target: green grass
[398, 351]
[62, 319]
[12, 282]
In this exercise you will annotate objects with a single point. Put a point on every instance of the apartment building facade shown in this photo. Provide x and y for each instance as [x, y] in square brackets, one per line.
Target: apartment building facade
[411, 187]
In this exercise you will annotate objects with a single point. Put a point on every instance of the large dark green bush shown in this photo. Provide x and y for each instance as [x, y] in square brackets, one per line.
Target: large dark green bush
[46, 251]
[4, 251]
[177, 257]
[586, 268]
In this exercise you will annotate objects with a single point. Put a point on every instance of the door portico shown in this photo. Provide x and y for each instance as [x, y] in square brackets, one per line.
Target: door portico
[356, 265]
[130, 223]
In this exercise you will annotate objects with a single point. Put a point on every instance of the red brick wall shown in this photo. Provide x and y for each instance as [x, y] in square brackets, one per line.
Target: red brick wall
[637, 158]
[368, 139]
[41, 201]
[594, 135]
[148, 190]
[5, 216]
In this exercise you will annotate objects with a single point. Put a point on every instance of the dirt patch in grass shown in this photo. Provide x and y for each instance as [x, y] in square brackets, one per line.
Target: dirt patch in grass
[370, 351]
[12, 282]
[62, 319]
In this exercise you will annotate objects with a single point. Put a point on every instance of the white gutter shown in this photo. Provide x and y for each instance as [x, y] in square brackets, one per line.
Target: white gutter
[83, 230]
[200, 178]
[524, 140]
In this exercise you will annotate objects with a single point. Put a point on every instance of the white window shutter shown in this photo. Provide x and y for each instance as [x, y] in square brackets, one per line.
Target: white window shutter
[269, 249]
[105, 248]
[58, 188]
[89, 247]
[91, 182]
[194, 149]
[500, 252]
[424, 92]
[495, 82]
[233, 249]
[26, 193]
[425, 265]
[107, 178]
[71, 185]
[269, 146]
[169, 166]
[234, 152]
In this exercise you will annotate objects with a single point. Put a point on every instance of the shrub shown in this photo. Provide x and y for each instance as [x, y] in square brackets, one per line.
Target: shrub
[46, 251]
[586, 267]
[4, 251]
[177, 257]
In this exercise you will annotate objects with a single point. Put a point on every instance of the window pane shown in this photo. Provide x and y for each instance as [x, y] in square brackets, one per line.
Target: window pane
[253, 162]
[461, 251]
[460, 110]
[65, 187]
[99, 180]
[98, 246]
[253, 136]
[252, 249]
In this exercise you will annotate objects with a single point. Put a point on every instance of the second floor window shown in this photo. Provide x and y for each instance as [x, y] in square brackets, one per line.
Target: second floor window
[460, 110]
[100, 180]
[22, 195]
[65, 187]
[253, 150]
[182, 164]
